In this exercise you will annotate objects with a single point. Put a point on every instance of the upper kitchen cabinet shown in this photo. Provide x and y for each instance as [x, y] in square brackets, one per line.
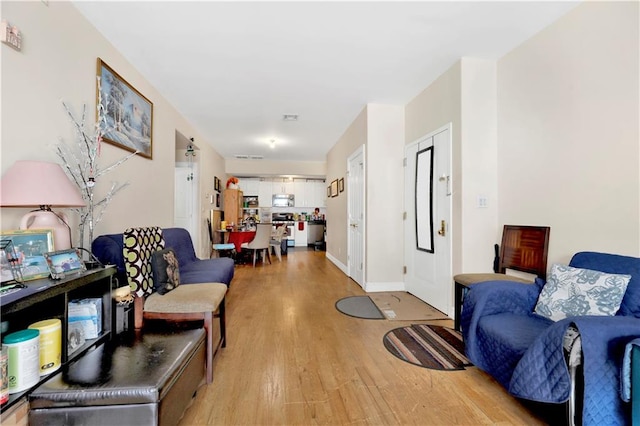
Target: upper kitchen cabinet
[302, 193]
[250, 187]
[284, 186]
[318, 190]
[264, 193]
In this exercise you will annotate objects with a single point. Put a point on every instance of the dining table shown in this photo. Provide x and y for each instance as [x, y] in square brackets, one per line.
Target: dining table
[238, 237]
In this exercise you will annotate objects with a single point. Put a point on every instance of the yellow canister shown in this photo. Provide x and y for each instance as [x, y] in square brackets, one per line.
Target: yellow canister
[50, 344]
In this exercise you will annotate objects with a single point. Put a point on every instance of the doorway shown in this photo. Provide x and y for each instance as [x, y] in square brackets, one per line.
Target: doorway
[427, 228]
[355, 216]
[185, 200]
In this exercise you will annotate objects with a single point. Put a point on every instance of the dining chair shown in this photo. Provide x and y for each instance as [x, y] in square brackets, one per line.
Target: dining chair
[219, 248]
[186, 302]
[276, 241]
[260, 242]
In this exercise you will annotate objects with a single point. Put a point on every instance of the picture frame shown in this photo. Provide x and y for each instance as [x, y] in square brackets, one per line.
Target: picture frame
[30, 245]
[63, 263]
[341, 185]
[218, 200]
[129, 113]
[216, 184]
[334, 188]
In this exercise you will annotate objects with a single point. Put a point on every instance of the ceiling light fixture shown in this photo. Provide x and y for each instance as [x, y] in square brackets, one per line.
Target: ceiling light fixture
[190, 154]
[272, 143]
[290, 117]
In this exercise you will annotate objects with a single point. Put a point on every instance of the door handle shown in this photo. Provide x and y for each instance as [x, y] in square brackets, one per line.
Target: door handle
[354, 225]
[442, 231]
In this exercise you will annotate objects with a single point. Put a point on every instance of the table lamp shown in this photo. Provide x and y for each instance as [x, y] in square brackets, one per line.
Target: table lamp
[44, 184]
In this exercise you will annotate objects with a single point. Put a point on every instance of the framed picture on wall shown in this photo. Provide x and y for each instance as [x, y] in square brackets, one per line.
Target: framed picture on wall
[218, 199]
[129, 114]
[334, 188]
[341, 185]
[216, 184]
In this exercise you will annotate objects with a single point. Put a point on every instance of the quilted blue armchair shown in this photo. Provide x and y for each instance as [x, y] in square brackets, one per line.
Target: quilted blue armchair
[540, 358]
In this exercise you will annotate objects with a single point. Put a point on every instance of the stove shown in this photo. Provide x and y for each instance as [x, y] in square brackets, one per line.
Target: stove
[281, 217]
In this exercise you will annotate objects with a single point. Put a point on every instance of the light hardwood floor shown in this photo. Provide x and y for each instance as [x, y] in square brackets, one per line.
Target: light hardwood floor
[292, 358]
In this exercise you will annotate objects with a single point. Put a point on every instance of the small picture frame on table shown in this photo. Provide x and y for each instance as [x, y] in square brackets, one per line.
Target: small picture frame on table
[30, 246]
[63, 263]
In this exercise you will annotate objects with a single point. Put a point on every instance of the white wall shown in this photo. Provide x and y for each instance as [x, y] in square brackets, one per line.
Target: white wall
[568, 131]
[434, 107]
[58, 61]
[478, 162]
[384, 202]
[354, 137]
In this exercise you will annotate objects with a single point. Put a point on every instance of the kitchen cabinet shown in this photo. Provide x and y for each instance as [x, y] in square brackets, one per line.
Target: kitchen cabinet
[250, 187]
[283, 187]
[264, 193]
[48, 299]
[233, 202]
[317, 194]
[302, 229]
[300, 191]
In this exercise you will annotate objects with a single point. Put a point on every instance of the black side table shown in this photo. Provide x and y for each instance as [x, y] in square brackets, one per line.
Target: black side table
[460, 292]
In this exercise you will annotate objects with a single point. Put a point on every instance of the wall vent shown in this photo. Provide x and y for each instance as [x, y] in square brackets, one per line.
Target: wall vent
[248, 157]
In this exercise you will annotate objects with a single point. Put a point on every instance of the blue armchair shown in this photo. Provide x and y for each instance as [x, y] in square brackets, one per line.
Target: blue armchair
[529, 354]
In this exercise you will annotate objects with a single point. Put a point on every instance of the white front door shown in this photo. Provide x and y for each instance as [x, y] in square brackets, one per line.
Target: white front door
[355, 216]
[427, 227]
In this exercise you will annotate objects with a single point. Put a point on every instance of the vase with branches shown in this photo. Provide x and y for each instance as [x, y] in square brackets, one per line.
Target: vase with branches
[80, 161]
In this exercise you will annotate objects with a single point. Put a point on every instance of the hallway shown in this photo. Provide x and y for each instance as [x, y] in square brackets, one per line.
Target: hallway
[292, 358]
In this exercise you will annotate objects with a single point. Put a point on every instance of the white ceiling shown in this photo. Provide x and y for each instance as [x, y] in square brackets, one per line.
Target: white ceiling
[234, 68]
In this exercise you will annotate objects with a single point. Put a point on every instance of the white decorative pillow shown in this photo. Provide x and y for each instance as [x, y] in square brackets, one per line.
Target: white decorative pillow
[574, 292]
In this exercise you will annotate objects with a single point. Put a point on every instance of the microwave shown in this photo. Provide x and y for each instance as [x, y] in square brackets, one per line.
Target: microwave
[282, 200]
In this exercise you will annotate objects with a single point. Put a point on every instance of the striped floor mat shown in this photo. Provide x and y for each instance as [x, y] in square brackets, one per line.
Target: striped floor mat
[429, 346]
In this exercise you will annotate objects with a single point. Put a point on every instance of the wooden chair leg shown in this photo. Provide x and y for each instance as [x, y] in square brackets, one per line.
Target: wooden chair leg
[208, 327]
[138, 312]
[222, 313]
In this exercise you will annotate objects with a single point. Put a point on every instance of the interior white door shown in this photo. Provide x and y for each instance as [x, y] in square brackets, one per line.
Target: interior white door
[185, 202]
[427, 228]
[355, 216]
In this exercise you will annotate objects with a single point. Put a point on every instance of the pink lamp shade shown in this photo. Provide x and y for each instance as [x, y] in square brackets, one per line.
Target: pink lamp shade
[43, 184]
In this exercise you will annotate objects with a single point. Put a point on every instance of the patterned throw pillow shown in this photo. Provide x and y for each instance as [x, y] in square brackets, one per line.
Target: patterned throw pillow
[575, 292]
[166, 275]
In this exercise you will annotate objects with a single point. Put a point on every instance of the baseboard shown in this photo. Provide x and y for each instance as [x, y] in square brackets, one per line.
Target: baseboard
[384, 286]
[336, 262]
[369, 287]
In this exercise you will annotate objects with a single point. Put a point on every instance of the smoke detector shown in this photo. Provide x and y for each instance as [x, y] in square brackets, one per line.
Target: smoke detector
[290, 117]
